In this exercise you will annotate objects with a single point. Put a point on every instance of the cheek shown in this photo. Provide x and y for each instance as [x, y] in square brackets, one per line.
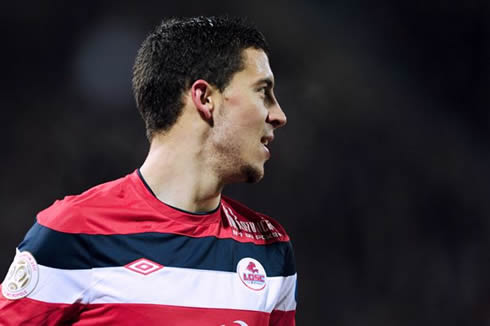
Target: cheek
[233, 101]
[251, 117]
[246, 111]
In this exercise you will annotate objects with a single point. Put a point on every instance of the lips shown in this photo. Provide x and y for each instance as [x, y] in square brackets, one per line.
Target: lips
[267, 149]
[266, 140]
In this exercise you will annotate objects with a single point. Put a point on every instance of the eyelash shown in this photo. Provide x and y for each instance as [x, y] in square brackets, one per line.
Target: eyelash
[267, 94]
[266, 91]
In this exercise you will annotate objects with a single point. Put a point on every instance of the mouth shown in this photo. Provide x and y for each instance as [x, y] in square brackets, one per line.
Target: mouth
[266, 140]
[266, 148]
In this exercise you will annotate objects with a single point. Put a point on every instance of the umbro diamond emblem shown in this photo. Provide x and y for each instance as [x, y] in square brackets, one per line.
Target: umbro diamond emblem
[144, 266]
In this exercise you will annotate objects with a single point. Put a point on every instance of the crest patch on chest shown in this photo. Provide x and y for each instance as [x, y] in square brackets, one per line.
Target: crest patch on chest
[252, 274]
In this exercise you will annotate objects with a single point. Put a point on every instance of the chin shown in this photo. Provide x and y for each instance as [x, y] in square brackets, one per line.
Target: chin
[252, 174]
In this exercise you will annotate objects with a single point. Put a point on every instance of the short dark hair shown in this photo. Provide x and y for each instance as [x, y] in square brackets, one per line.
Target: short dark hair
[182, 50]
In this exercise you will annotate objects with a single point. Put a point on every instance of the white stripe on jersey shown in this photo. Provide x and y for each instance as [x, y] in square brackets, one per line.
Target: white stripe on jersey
[61, 285]
[169, 286]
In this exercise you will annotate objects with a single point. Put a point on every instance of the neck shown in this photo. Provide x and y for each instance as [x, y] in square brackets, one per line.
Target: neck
[180, 176]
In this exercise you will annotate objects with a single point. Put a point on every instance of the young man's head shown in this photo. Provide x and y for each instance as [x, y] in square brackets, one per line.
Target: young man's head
[182, 50]
[219, 67]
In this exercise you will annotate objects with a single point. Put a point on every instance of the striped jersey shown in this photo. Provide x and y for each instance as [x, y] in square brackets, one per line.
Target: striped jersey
[116, 255]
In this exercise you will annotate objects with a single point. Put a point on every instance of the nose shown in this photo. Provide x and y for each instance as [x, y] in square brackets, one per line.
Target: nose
[276, 117]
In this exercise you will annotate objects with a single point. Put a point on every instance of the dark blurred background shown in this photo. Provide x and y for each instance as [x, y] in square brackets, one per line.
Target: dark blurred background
[381, 176]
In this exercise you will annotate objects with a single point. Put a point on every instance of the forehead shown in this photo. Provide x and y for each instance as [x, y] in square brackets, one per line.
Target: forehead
[257, 62]
[256, 67]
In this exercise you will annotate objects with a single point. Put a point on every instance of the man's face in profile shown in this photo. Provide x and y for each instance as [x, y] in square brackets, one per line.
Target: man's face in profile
[246, 118]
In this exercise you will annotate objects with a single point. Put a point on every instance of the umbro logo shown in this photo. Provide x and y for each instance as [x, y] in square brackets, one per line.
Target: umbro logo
[144, 266]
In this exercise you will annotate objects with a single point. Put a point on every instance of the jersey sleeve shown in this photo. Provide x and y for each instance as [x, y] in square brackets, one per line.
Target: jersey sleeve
[284, 313]
[37, 290]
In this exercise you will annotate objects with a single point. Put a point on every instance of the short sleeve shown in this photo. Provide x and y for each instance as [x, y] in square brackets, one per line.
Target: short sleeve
[34, 292]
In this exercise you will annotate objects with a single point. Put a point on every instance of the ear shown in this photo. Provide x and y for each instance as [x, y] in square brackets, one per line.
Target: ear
[201, 92]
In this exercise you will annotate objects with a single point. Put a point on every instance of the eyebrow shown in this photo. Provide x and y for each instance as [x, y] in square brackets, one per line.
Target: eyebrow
[267, 80]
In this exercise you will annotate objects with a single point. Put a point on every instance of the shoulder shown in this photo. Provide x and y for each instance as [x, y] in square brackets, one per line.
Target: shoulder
[81, 213]
[248, 220]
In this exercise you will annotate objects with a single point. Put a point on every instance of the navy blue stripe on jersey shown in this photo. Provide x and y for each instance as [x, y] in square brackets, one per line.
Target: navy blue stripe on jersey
[83, 251]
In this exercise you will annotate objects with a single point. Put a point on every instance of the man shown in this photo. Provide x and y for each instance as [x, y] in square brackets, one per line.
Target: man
[162, 246]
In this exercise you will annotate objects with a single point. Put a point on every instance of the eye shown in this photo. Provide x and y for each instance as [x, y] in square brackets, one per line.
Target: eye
[266, 93]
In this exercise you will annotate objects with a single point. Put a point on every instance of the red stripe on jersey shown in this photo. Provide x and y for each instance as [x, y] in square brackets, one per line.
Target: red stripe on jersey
[30, 312]
[126, 206]
[283, 318]
[156, 315]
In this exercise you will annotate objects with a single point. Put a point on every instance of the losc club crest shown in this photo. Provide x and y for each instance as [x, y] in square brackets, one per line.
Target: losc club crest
[252, 274]
[22, 276]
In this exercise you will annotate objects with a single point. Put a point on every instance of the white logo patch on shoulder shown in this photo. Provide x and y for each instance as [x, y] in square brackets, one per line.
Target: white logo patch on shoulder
[252, 274]
[22, 276]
